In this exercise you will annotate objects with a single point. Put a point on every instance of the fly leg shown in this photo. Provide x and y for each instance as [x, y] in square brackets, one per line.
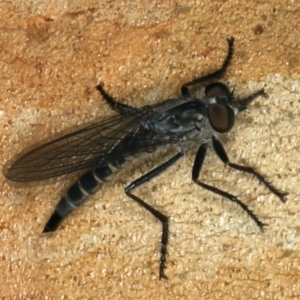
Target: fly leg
[158, 215]
[219, 149]
[119, 107]
[215, 75]
[200, 156]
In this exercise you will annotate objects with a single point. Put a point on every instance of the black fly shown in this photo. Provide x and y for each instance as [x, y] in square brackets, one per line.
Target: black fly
[102, 147]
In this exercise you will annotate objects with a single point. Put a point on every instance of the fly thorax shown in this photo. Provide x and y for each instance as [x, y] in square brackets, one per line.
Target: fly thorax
[179, 123]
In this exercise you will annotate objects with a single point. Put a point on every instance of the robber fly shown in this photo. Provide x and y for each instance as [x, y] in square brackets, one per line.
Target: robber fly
[102, 147]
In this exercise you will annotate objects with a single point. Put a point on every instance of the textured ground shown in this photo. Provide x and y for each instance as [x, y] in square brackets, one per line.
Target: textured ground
[51, 58]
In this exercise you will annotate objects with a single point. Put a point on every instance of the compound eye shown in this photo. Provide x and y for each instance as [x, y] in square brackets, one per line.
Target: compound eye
[217, 89]
[221, 117]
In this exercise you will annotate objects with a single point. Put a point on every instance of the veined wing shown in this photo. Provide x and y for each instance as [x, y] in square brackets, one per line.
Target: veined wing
[88, 146]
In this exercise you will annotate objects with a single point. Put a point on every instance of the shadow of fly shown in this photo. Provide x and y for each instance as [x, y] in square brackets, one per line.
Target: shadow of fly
[102, 147]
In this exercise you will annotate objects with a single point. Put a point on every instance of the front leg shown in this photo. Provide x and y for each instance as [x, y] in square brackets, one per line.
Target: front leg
[220, 151]
[215, 75]
[200, 156]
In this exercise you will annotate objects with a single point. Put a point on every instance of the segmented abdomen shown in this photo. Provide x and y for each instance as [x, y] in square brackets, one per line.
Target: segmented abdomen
[87, 185]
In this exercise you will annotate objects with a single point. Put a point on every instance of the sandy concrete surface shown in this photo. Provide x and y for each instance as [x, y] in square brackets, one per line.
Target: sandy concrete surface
[53, 55]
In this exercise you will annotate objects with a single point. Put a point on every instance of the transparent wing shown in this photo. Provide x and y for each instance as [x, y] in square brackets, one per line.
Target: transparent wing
[91, 145]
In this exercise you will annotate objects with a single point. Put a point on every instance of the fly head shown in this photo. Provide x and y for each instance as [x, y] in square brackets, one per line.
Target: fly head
[220, 113]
